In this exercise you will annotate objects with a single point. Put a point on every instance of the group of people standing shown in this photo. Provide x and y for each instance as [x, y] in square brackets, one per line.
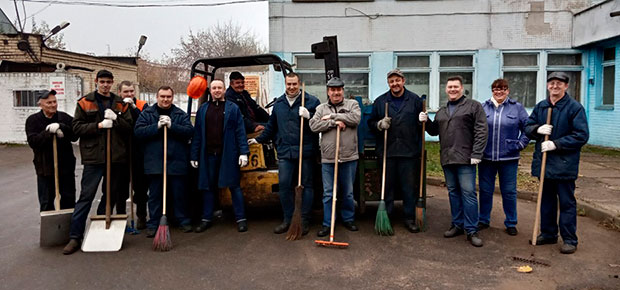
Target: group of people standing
[486, 137]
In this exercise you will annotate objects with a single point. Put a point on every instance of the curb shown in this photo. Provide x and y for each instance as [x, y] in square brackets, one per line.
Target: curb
[588, 209]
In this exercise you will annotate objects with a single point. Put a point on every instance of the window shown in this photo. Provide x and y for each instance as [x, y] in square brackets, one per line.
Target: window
[417, 72]
[353, 71]
[609, 73]
[26, 98]
[451, 65]
[569, 63]
[521, 72]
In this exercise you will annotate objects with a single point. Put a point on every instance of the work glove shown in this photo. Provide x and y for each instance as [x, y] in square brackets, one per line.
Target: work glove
[544, 129]
[59, 133]
[165, 120]
[106, 124]
[52, 128]
[252, 141]
[384, 123]
[243, 160]
[194, 163]
[423, 117]
[475, 161]
[547, 146]
[109, 114]
[130, 102]
[303, 112]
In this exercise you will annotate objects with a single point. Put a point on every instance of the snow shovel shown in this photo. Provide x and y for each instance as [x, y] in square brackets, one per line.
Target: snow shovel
[55, 224]
[540, 186]
[106, 232]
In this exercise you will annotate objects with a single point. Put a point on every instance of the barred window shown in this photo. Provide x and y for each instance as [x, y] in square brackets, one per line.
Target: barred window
[26, 98]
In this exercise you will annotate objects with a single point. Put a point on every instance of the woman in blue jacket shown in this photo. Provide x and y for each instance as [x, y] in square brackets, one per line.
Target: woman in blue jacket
[506, 119]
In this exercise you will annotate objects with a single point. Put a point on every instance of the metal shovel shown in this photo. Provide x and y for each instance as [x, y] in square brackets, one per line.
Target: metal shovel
[55, 224]
[106, 232]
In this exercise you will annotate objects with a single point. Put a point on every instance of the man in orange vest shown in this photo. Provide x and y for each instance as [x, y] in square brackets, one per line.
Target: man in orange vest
[127, 92]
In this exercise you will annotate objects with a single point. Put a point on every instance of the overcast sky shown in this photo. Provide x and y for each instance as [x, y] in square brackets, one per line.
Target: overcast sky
[100, 30]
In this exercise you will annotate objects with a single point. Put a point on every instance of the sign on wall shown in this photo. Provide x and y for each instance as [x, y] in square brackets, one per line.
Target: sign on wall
[58, 84]
[252, 85]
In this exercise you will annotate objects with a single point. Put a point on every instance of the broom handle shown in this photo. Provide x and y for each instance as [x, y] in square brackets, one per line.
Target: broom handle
[108, 169]
[422, 152]
[165, 171]
[385, 132]
[335, 188]
[56, 184]
[301, 134]
[131, 176]
[542, 181]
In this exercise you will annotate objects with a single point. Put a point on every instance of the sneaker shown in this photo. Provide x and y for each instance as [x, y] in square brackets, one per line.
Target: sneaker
[203, 226]
[324, 231]
[474, 239]
[411, 226]
[150, 233]
[483, 226]
[453, 232]
[281, 228]
[141, 224]
[512, 231]
[568, 249]
[187, 228]
[351, 226]
[71, 247]
[242, 226]
[543, 241]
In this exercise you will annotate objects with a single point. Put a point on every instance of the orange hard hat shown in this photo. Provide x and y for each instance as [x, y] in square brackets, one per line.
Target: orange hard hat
[197, 87]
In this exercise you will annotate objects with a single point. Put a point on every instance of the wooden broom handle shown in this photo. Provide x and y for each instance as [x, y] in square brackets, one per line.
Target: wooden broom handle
[301, 134]
[108, 169]
[335, 188]
[543, 166]
[56, 184]
[423, 149]
[165, 171]
[385, 135]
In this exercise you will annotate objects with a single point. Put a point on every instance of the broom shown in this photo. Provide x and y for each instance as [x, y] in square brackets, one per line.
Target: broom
[131, 229]
[295, 230]
[540, 186]
[162, 241]
[382, 222]
[420, 207]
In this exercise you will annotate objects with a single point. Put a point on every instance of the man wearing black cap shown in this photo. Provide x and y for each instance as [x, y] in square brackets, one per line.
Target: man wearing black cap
[404, 143]
[253, 114]
[40, 129]
[568, 132]
[345, 114]
[96, 113]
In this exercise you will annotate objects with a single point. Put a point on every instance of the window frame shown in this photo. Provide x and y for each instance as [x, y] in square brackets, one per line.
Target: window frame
[604, 64]
[34, 91]
[538, 68]
[567, 68]
[454, 69]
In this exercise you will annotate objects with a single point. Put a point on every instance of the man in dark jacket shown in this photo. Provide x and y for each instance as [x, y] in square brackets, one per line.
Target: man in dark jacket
[140, 183]
[568, 132]
[462, 129]
[283, 128]
[403, 141]
[40, 130]
[219, 148]
[254, 116]
[149, 129]
[96, 113]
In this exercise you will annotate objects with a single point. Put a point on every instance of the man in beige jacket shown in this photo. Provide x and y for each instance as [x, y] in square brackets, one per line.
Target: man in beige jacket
[344, 114]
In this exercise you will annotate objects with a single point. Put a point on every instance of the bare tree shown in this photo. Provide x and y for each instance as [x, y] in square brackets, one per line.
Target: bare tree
[43, 28]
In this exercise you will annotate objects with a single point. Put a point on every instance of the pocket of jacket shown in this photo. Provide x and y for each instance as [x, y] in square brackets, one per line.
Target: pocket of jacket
[513, 145]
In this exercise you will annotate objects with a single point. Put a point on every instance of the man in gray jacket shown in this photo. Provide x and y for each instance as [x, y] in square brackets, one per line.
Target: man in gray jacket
[345, 115]
[462, 129]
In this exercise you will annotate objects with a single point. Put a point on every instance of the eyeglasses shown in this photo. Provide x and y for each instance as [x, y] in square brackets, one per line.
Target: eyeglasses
[499, 89]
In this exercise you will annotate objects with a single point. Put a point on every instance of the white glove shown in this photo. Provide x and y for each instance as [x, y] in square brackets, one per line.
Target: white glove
[130, 102]
[384, 123]
[423, 117]
[545, 129]
[303, 112]
[252, 141]
[475, 161]
[106, 124]
[161, 123]
[52, 128]
[109, 114]
[59, 133]
[243, 160]
[194, 163]
[547, 146]
[165, 120]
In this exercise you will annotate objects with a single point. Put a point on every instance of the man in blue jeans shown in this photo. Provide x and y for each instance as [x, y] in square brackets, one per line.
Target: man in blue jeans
[283, 128]
[462, 128]
[344, 114]
[219, 148]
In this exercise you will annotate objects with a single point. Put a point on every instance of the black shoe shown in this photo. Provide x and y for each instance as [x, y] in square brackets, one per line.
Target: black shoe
[281, 228]
[453, 232]
[411, 226]
[203, 226]
[512, 231]
[474, 239]
[141, 224]
[351, 226]
[542, 241]
[305, 228]
[186, 228]
[483, 226]
[150, 233]
[324, 231]
[568, 249]
[71, 247]
[242, 226]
